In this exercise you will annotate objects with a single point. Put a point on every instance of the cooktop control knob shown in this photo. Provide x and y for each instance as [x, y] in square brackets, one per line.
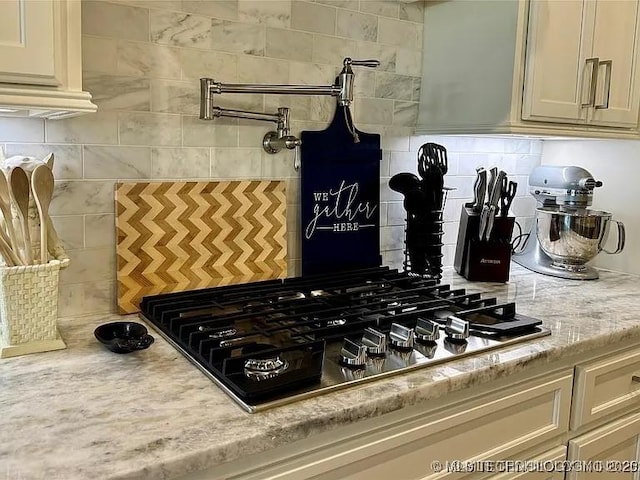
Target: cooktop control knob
[455, 346]
[401, 337]
[457, 328]
[353, 355]
[374, 341]
[427, 331]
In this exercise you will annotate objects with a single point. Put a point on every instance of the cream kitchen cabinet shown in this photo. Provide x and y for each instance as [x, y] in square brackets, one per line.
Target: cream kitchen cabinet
[605, 387]
[547, 470]
[616, 445]
[605, 417]
[503, 423]
[40, 59]
[581, 62]
[534, 67]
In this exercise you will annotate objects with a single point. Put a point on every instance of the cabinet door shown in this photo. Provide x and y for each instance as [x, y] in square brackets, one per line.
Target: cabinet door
[493, 427]
[546, 461]
[615, 44]
[27, 42]
[605, 387]
[556, 62]
[616, 445]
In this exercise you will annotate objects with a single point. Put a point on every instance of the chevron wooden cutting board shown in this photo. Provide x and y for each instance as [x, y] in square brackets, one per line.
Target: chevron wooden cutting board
[174, 236]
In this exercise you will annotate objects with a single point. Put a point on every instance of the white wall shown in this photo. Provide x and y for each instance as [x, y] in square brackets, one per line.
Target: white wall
[617, 164]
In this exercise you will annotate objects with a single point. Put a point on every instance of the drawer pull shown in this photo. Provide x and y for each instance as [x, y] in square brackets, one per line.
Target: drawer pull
[593, 81]
[607, 82]
[635, 378]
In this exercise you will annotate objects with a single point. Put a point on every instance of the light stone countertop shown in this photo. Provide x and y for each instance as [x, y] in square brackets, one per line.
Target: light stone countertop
[87, 413]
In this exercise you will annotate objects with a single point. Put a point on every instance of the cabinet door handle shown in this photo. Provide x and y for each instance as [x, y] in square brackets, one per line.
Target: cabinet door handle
[595, 61]
[607, 82]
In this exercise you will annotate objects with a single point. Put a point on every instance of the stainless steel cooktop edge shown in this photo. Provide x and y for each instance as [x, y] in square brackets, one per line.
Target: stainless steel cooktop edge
[325, 387]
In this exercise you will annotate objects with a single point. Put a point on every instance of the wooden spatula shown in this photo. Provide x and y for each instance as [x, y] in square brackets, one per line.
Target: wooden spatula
[42, 187]
[19, 192]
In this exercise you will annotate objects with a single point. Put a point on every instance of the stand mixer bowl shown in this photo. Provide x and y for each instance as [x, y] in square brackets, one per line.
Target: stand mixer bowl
[572, 237]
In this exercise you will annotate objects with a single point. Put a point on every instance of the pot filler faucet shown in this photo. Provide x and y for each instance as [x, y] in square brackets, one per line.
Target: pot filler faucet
[275, 141]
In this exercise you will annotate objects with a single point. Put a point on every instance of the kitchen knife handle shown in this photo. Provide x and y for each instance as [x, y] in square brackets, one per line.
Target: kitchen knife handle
[493, 176]
[607, 81]
[482, 190]
[494, 197]
[490, 221]
[593, 82]
[473, 204]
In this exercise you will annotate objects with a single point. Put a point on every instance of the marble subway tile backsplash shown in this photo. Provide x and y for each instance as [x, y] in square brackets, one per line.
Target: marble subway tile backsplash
[358, 26]
[238, 37]
[104, 162]
[274, 13]
[181, 162]
[149, 129]
[142, 60]
[214, 8]
[312, 17]
[97, 128]
[400, 33]
[180, 29]
[117, 92]
[115, 20]
[75, 197]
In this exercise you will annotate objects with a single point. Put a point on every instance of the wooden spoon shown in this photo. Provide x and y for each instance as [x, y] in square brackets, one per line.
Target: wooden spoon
[42, 186]
[19, 191]
[5, 207]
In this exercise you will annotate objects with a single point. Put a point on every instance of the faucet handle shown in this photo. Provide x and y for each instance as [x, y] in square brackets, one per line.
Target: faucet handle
[291, 142]
[273, 142]
[360, 63]
[296, 156]
[366, 63]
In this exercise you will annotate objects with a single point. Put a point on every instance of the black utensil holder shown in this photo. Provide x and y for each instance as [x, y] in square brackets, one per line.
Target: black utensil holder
[483, 260]
[426, 232]
[423, 245]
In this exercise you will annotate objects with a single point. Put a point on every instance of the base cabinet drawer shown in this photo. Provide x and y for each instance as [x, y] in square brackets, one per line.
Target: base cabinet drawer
[547, 466]
[612, 451]
[606, 386]
[495, 426]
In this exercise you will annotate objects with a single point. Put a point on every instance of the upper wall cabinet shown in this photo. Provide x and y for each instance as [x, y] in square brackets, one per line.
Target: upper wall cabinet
[581, 63]
[539, 67]
[41, 60]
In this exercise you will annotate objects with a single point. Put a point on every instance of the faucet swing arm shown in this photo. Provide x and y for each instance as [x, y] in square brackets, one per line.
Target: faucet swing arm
[274, 141]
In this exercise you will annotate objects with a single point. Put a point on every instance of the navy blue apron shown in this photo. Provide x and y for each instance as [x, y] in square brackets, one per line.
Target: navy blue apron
[340, 198]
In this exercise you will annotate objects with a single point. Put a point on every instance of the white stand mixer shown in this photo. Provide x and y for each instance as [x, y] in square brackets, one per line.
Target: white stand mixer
[565, 234]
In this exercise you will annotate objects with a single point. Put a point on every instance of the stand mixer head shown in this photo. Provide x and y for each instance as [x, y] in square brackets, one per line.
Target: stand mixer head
[566, 233]
[562, 186]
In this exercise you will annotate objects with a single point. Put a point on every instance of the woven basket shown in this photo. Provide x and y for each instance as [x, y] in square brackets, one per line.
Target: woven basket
[29, 308]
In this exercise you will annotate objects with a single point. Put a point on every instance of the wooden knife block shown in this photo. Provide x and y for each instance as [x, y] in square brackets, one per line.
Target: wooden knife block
[481, 260]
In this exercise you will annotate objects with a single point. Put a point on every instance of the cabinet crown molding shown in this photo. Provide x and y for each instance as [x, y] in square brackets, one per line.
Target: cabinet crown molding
[41, 60]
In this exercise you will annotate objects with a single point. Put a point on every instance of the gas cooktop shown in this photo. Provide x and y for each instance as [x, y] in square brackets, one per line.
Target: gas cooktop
[274, 342]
